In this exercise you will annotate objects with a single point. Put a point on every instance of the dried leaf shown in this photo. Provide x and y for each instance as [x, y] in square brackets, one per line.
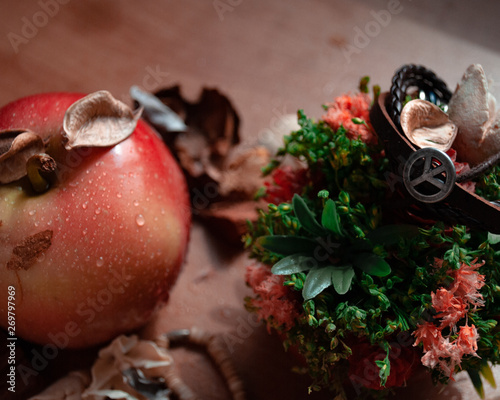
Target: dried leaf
[16, 147]
[157, 112]
[98, 120]
[227, 219]
[203, 150]
[426, 125]
[241, 176]
[151, 388]
[110, 374]
[222, 175]
[473, 109]
[123, 353]
[29, 250]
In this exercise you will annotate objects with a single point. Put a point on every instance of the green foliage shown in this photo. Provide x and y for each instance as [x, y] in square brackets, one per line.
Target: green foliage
[488, 185]
[362, 276]
[331, 252]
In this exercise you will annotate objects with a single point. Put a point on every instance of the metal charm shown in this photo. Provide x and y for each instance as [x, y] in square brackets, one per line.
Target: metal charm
[429, 175]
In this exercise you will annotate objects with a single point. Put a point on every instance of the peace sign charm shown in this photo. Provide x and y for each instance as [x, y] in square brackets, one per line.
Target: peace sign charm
[429, 175]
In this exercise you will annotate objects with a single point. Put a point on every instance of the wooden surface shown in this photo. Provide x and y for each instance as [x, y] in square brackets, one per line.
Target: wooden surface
[271, 58]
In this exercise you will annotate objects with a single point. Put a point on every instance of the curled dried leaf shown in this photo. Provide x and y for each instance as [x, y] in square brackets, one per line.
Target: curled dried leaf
[117, 372]
[473, 109]
[16, 147]
[98, 120]
[426, 125]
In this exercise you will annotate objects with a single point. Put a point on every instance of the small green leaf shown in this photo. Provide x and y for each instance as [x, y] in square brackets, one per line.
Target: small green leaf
[391, 234]
[341, 278]
[287, 245]
[306, 216]
[487, 373]
[452, 256]
[476, 381]
[385, 369]
[372, 264]
[293, 264]
[493, 238]
[330, 219]
[317, 280]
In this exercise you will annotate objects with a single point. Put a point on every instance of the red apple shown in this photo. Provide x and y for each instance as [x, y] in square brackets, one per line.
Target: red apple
[97, 253]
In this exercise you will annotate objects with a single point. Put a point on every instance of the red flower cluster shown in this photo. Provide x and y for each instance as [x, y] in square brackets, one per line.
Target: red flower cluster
[286, 181]
[274, 304]
[452, 305]
[364, 371]
[346, 108]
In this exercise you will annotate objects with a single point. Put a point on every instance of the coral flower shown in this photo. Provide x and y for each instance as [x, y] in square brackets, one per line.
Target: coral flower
[428, 334]
[450, 307]
[468, 282]
[342, 111]
[467, 340]
[275, 304]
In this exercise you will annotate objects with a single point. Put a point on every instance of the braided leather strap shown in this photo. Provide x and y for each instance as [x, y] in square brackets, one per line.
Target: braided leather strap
[408, 76]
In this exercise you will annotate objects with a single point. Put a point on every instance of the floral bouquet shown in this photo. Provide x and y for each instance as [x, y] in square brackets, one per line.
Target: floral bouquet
[369, 271]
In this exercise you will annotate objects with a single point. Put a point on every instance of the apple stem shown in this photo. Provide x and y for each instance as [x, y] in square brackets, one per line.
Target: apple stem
[39, 168]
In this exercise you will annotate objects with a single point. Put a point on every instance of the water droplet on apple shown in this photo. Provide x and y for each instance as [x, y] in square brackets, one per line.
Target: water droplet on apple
[32, 212]
[119, 195]
[85, 205]
[139, 219]
[99, 262]
[136, 203]
[97, 211]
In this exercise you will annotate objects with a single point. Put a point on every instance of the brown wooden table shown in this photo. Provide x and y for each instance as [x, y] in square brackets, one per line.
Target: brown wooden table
[271, 58]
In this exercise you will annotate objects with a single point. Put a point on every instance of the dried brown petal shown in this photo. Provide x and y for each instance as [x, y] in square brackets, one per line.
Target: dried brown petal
[16, 147]
[29, 249]
[426, 125]
[242, 176]
[213, 130]
[98, 120]
[229, 219]
[473, 109]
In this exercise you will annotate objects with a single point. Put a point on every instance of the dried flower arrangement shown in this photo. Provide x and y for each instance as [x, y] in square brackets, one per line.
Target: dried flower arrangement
[366, 283]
